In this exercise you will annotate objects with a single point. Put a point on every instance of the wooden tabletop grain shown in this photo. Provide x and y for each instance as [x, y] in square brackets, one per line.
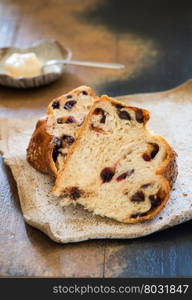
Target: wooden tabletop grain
[154, 41]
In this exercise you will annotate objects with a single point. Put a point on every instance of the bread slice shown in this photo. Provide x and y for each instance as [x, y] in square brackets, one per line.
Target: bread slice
[55, 133]
[117, 167]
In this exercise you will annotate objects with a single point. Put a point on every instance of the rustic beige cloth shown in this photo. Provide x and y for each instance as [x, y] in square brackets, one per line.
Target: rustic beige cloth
[171, 117]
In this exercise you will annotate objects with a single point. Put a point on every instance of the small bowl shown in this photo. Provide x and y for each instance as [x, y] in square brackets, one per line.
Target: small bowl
[45, 50]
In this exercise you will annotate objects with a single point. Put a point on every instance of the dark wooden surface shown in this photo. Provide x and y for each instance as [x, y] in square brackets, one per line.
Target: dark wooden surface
[154, 40]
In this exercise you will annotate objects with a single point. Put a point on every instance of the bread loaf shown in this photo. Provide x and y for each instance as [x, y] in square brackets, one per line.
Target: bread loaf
[54, 134]
[117, 168]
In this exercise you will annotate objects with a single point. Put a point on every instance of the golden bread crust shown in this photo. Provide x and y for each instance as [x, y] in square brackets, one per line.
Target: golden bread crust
[39, 151]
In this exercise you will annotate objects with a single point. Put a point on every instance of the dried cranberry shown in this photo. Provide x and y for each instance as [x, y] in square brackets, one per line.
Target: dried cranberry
[146, 157]
[69, 96]
[124, 115]
[57, 145]
[55, 154]
[153, 153]
[103, 119]
[125, 175]
[57, 142]
[98, 111]
[107, 174]
[155, 200]
[70, 119]
[139, 116]
[155, 150]
[55, 105]
[84, 93]
[69, 104]
[138, 197]
[69, 139]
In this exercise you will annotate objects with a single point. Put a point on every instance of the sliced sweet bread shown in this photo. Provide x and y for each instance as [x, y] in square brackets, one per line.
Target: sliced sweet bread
[54, 134]
[117, 168]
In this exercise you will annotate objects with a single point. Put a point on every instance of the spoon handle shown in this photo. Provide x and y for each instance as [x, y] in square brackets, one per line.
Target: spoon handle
[85, 63]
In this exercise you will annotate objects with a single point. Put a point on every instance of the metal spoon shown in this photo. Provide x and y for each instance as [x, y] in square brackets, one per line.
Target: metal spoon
[83, 63]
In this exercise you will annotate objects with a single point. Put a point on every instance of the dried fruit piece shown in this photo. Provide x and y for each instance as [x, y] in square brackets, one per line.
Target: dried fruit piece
[125, 175]
[103, 119]
[55, 154]
[69, 104]
[69, 96]
[155, 150]
[153, 153]
[146, 157]
[55, 105]
[155, 200]
[123, 114]
[107, 174]
[98, 111]
[139, 116]
[84, 93]
[138, 197]
[69, 139]
[70, 119]
[57, 144]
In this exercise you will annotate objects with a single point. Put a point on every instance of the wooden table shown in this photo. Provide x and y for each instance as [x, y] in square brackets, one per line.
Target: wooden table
[154, 41]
